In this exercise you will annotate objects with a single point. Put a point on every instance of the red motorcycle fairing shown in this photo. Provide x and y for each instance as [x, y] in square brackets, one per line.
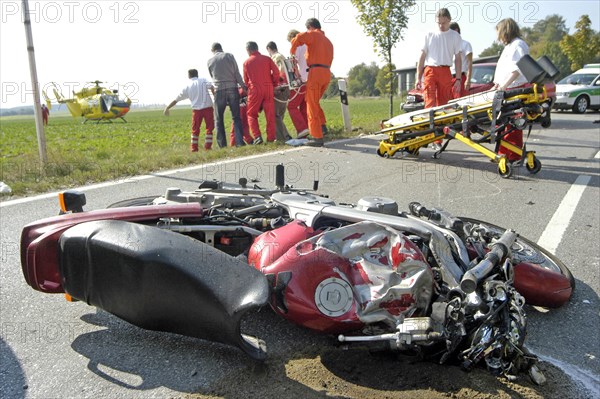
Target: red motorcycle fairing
[557, 289]
[39, 240]
[345, 278]
[160, 280]
[270, 246]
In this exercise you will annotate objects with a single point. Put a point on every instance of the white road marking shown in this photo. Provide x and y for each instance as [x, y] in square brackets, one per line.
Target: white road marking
[587, 379]
[552, 235]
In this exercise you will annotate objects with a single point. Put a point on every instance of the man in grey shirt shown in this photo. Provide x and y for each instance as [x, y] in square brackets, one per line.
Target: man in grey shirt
[226, 77]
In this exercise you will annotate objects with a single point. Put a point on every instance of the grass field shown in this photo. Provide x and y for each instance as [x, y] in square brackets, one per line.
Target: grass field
[80, 154]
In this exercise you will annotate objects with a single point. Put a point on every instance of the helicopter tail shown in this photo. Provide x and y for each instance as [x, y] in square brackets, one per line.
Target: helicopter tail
[74, 108]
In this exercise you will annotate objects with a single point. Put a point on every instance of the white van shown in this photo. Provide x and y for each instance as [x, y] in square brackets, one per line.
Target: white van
[579, 91]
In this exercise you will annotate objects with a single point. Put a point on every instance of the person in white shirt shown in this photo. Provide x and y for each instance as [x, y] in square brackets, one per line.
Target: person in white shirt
[202, 107]
[507, 72]
[508, 76]
[467, 63]
[439, 49]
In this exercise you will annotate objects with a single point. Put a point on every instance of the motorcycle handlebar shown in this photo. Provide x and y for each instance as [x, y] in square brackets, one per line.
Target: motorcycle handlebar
[500, 249]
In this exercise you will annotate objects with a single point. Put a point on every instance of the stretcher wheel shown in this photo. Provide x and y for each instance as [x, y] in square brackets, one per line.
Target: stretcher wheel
[381, 154]
[508, 173]
[537, 166]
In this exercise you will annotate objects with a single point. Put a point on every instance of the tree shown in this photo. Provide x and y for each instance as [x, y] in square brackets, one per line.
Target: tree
[361, 80]
[544, 38]
[384, 21]
[386, 82]
[494, 49]
[583, 46]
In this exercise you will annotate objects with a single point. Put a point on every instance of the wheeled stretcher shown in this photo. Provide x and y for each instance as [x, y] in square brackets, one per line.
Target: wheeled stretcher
[484, 118]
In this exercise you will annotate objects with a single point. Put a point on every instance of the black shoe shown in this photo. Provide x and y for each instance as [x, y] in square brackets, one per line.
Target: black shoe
[257, 140]
[324, 129]
[315, 143]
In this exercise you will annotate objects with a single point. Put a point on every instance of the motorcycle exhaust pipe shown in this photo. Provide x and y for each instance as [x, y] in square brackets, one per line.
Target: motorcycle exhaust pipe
[500, 249]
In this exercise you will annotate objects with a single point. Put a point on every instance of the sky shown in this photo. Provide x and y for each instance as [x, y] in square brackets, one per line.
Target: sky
[144, 48]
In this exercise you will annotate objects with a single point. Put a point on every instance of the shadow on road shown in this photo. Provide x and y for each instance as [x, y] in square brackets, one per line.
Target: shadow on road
[301, 364]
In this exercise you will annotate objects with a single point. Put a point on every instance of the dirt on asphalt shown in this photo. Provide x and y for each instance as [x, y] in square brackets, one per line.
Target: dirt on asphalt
[302, 364]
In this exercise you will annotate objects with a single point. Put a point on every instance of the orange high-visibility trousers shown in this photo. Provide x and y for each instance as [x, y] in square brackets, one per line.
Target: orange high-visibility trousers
[437, 86]
[316, 85]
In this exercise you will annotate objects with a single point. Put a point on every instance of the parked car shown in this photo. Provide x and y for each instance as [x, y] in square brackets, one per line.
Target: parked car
[482, 79]
[579, 91]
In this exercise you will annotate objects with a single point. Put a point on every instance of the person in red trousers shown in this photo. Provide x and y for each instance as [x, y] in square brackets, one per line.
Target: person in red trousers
[319, 56]
[202, 108]
[297, 102]
[261, 76]
[439, 49]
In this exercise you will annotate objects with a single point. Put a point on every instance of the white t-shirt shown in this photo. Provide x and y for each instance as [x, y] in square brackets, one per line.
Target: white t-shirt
[441, 47]
[466, 49]
[197, 92]
[302, 65]
[507, 63]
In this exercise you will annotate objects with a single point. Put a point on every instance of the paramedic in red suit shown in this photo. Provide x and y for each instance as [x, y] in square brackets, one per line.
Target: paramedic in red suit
[261, 76]
[319, 56]
[509, 76]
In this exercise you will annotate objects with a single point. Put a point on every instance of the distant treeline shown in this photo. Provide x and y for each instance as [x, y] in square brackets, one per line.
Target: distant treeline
[16, 111]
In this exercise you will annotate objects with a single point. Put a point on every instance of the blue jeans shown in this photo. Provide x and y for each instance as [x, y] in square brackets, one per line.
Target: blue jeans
[224, 98]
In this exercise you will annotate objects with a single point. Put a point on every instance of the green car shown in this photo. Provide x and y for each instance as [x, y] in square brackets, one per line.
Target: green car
[579, 91]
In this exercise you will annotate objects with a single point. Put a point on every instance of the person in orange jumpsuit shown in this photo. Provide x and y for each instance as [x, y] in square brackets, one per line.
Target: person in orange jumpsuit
[261, 76]
[319, 56]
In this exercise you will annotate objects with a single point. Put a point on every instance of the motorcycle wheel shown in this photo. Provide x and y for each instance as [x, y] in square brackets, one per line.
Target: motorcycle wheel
[140, 201]
[525, 250]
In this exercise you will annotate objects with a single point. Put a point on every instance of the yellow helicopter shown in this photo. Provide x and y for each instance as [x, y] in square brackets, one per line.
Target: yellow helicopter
[92, 103]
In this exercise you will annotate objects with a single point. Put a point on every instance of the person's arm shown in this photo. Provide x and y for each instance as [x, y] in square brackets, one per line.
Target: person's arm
[166, 112]
[513, 76]
[299, 40]
[420, 69]
[238, 76]
[469, 71]
[458, 69]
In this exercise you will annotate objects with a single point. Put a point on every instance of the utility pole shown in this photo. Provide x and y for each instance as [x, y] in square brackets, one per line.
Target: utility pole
[37, 105]
[344, 102]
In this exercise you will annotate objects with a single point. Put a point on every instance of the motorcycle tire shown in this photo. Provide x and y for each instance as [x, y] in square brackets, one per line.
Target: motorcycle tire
[537, 255]
[140, 201]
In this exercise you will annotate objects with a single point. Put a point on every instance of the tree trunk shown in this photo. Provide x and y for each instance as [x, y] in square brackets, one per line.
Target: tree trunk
[389, 62]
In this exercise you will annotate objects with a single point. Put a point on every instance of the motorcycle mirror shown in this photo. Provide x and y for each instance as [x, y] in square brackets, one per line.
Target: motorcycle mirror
[71, 201]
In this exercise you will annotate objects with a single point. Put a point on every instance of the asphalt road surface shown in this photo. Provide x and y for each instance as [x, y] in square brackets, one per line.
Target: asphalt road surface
[50, 348]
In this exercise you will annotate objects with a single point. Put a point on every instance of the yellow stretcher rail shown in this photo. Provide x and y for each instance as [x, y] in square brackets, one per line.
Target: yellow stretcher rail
[487, 114]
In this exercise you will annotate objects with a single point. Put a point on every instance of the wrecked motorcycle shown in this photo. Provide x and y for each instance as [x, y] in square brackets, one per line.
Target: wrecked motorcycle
[194, 263]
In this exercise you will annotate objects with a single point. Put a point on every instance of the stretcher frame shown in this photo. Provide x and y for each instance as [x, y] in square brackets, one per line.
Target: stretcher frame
[492, 114]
